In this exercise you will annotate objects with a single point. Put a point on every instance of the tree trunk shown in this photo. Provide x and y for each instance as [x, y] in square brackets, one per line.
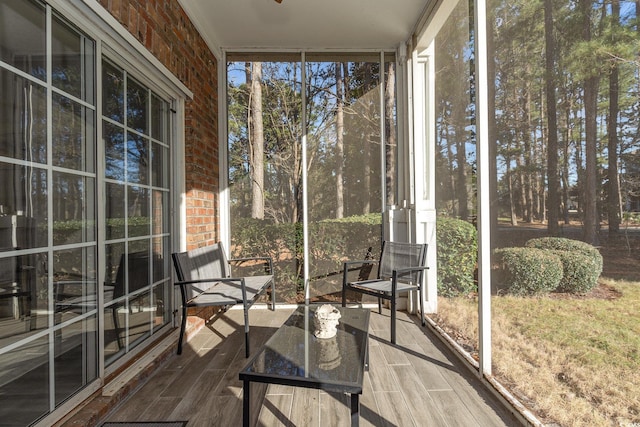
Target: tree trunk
[512, 207]
[390, 133]
[256, 142]
[612, 143]
[591, 128]
[339, 141]
[552, 125]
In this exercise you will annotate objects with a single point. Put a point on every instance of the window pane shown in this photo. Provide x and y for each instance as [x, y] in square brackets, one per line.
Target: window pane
[23, 295]
[74, 282]
[137, 159]
[23, 115]
[112, 92]
[137, 286]
[159, 167]
[114, 151]
[73, 135]
[113, 298]
[159, 122]
[25, 372]
[160, 212]
[161, 267]
[161, 304]
[73, 209]
[74, 343]
[69, 53]
[115, 211]
[22, 36]
[137, 106]
[23, 205]
[138, 222]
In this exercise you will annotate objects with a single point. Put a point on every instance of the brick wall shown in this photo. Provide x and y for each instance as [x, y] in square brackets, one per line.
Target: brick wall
[165, 30]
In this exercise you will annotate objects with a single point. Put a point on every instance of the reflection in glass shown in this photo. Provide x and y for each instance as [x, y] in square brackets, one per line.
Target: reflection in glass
[75, 363]
[115, 292]
[127, 296]
[137, 106]
[115, 211]
[73, 209]
[112, 92]
[73, 134]
[23, 115]
[138, 222]
[160, 212]
[25, 372]
[23, 295]
[159, 166]
[113, 137]
[159, 122]
[70, 53]
[138, 304]
[28, 54]
[23, 206]
[74, 282]
[161, 258]
[137, 159]
[161, 304]
[141, 315]
[134, 210]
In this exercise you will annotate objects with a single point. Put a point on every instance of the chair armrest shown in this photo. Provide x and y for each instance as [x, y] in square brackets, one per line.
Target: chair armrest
[405, 271]
[213, 279]
[183, 288]
[364, 261]
[401, 272]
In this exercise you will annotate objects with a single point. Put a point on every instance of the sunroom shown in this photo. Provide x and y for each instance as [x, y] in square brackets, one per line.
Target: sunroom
[312, 132]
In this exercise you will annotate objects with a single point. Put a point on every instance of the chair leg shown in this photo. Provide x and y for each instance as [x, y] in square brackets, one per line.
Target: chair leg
[379, 305]
[393, 321]
[273, 296]
[421, 306]
[246, 331]
[183, 326]
[344, 295]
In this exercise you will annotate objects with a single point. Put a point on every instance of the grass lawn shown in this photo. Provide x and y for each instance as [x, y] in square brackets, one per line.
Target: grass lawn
[574, 361]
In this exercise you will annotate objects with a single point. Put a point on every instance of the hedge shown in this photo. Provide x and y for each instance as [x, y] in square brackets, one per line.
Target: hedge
[457, 256]
[528, 271]
[582, 263]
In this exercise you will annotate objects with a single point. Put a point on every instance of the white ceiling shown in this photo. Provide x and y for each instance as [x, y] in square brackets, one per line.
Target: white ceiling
[305, 24]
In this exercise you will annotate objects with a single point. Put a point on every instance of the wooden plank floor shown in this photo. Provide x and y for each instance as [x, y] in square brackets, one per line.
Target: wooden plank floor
[414, 383]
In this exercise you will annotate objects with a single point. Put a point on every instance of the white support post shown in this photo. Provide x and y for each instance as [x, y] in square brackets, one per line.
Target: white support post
[423, 167]
[484, 200]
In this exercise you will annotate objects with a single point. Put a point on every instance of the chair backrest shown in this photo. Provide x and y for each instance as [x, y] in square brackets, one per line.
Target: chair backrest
[396, 255]
[202, 263]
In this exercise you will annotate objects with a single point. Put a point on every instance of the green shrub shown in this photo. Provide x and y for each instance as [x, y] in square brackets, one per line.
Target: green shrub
[528, 271]
[457, 256]
[331, 241]
[580, 274]
[582, 263]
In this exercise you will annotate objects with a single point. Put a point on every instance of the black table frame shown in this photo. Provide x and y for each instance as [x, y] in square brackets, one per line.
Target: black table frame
[294, 356]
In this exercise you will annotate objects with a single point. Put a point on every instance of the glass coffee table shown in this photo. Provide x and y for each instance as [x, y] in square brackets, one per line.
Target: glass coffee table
[294, 356]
